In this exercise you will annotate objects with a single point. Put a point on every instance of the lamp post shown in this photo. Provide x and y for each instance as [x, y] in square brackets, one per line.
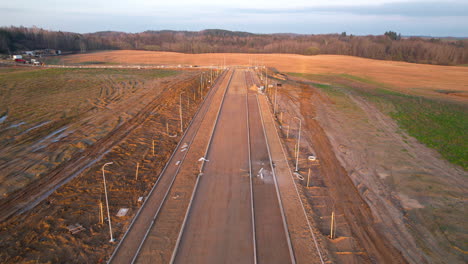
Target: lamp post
[107, 201]
[181, 120]
[298, 143]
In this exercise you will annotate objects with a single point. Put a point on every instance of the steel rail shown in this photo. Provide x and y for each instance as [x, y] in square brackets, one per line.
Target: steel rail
[160, 176]
[187, 213]
[297, 192]
[250, 169]
[278, 195]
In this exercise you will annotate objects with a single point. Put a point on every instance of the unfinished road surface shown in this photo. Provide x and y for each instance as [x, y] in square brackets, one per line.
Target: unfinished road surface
[231, 212]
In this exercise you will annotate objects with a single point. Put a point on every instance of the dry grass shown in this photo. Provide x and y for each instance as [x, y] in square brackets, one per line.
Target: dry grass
[405, 77]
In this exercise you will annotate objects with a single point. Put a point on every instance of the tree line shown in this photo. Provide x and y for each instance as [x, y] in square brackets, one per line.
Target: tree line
[389, 46]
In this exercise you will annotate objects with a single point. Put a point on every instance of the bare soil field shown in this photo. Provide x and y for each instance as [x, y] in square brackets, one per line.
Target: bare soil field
[49, 115]
[390, 138]
[417, 199]
[438, 81]
[119, 116]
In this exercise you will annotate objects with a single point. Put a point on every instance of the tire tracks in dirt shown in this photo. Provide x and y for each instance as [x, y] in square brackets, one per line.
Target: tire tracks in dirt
[26, 198]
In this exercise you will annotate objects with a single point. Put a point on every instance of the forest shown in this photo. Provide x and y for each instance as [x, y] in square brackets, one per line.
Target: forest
[388, 46]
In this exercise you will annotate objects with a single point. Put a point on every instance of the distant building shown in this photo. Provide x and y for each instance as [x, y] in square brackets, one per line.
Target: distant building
[16, 57]
[30, 53]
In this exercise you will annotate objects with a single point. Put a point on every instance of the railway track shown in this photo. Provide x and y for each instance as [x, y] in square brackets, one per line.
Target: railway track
[174, 252]
[249, 82]
[201, 111]
[207, 152]
[254, 199]
[287, 247]
[250, 170]
[277, 134]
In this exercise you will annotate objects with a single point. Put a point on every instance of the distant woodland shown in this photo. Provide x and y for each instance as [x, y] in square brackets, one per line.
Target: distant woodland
[389, 46]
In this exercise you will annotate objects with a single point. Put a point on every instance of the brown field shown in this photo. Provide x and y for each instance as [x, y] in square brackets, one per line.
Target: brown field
[392, 195]
[93, 116]
[407, 77]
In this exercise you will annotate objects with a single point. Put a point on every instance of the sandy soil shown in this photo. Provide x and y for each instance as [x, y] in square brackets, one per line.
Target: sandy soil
[41, 236]
[354, 140]
[406, 77]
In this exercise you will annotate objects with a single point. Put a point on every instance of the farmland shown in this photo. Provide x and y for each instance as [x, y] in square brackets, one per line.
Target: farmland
[389, 138]
[409, 78]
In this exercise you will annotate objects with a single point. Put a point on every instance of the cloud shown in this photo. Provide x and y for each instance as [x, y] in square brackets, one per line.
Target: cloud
[411, 17]
[408, 9]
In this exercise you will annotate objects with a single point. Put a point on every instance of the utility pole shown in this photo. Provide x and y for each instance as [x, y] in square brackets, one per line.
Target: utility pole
[298, 143]
[181, 120]
[107, 201]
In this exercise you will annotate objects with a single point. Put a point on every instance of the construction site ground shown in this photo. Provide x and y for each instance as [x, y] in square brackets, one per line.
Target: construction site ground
[394, 199]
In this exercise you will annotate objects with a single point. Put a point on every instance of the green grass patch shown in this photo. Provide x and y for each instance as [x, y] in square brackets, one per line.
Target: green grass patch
[361, 79]
[53, 60]
[438, 124]
[448, 91]
[308, 75]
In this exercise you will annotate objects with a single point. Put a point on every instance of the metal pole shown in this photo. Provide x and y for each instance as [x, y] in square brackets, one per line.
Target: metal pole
[107, 201]
[298, 143]
[276, 95]
[181, 120]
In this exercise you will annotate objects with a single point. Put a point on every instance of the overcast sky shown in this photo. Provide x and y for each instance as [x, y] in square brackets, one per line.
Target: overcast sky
[360, 17]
